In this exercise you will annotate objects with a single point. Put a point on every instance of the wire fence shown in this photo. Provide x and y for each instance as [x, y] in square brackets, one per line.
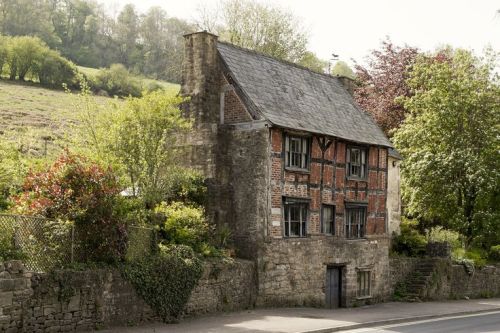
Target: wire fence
[45, 244]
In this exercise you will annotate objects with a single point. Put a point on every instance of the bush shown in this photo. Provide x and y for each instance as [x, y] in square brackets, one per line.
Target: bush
[4, 51]
[187, 186]
[440, 235]
[410, 242]
[165, 281]
[184, 225]
[478, 256]
[117, 81]
[75, 189]
[495, 253]
[54, 71]
[7, 248]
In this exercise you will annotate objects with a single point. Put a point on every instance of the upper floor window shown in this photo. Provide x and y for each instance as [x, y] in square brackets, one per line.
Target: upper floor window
[328, 220]
[355, 222]
[297, 152]
[295, 216]
[356, 162]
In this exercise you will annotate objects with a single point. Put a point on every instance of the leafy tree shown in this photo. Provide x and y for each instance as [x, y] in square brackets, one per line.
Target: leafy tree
[4, 51]
[54, 70]
[310, 60]
[127, 35]
[383, 81]
[259, 27]
[341, 68]
[139, 137]
[450, 144]
[25, 52]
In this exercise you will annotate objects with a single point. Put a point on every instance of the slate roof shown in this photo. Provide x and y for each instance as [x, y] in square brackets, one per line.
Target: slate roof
[294, 97]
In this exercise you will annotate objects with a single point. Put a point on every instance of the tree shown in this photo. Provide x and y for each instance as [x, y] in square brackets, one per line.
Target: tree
[341, 68]
[25, 52]
[260, 27]
[311, 61]
[383, 81]
[450, 141]
[4, 51]
[139, 138]
[127, 34]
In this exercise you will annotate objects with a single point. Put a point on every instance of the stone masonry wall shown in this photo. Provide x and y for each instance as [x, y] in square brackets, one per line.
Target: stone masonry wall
[449, 281]
[66, 301]
[293, 271]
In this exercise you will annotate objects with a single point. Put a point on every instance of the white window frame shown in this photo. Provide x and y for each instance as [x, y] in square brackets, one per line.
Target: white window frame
[297, 152]
[356, 162]
[300, 219]
[355, 222]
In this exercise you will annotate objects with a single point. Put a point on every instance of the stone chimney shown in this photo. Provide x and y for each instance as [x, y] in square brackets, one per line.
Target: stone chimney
[201, 83]
[348, 83]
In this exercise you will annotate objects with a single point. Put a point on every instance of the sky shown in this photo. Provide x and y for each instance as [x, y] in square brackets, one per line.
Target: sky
[352, 28]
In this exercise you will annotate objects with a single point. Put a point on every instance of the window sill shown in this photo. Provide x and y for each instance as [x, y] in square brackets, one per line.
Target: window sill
[356, 239]
[298, 170]
[357, 179]
[360, 298]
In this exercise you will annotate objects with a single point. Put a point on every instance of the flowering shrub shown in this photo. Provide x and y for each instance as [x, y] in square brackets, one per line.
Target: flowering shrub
[78, 190]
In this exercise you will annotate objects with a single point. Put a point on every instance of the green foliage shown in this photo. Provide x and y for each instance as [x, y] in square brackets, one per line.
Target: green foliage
[311, 61]
[165, 281]
[439, 235]
[139, 138]
[410, 242]
[449, 143]
[478, 256]
[188, 186]
[77, 190]
[259, 26]
[185, 225]
[7, 249]
[495, 253]
[117, 81]
[31, 57]
[341, 68]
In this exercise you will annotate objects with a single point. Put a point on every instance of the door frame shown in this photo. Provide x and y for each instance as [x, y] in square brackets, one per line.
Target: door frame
[342, 283]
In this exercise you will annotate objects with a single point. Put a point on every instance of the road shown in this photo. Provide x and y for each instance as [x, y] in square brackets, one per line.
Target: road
[479, 323]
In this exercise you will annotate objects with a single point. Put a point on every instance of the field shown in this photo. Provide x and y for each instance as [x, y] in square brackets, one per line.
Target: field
[37, 120]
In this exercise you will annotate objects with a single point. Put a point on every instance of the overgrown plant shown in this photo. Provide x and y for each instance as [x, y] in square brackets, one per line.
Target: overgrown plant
[165, 281]
[76, 189]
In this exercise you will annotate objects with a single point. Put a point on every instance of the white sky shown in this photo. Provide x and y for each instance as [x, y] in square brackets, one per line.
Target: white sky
[351, 28]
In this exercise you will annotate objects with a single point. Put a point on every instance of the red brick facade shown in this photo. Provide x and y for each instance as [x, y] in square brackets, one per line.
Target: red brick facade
[234, 110]
[307, 184]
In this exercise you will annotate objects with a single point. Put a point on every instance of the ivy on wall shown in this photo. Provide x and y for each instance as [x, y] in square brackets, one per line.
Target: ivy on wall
[165, 280]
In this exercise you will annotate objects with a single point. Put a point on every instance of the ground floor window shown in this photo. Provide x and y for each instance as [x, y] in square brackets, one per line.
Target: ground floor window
[295, 216]
[364, 283]
[355, 222]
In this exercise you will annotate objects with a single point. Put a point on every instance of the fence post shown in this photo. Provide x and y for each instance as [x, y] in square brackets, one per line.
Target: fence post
[72, 243]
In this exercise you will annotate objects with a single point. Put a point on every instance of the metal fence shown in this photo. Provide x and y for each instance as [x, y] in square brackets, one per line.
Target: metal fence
[45, 244]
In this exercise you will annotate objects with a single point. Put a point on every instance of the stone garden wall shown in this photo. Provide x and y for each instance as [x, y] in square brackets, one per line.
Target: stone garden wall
[448, 280]
[65, 301]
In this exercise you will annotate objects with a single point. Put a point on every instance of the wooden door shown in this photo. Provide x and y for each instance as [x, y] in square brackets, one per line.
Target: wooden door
[333, 287]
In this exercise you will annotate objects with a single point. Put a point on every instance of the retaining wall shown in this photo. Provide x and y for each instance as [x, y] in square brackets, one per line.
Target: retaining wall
[65, 301]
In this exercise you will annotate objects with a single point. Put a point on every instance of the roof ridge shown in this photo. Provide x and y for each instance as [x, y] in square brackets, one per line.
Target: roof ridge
[285, 62]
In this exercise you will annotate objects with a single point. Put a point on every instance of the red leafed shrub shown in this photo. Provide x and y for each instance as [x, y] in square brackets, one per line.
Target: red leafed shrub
[81, 191]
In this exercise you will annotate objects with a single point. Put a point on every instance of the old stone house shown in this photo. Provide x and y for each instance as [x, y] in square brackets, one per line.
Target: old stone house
[296, 171]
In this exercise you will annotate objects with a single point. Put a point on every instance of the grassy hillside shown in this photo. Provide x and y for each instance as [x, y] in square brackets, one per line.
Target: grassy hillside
[31, 115]
[165, 85]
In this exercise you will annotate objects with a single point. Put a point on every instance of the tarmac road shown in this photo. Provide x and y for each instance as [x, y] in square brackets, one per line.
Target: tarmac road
[478, 323]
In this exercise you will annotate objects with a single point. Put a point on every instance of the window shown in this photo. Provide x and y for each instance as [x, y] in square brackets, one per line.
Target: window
[356, 162]
[364, 283]
[297, 152]
[355, 222]
[328, 220]
[295, 218]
